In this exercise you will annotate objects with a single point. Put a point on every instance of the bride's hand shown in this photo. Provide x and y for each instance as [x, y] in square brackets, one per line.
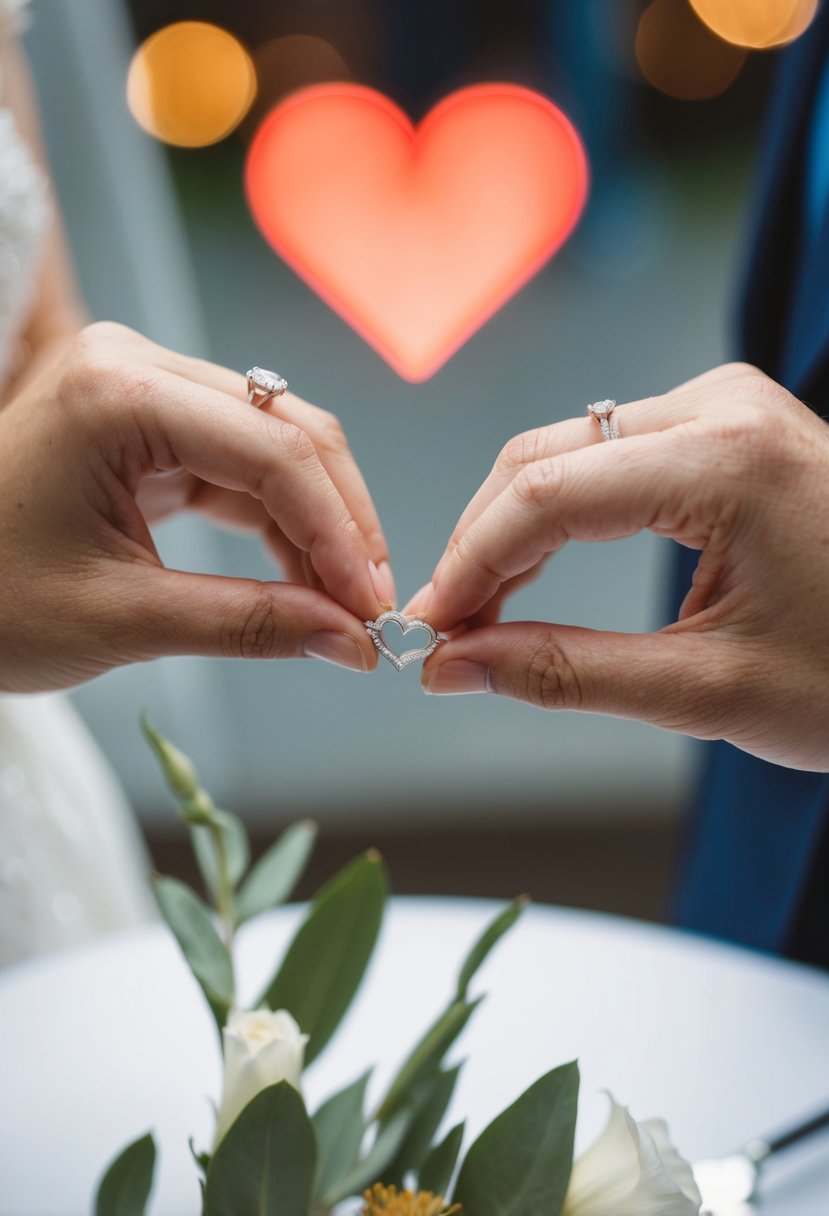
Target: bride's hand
[120, 433]
[729, 463]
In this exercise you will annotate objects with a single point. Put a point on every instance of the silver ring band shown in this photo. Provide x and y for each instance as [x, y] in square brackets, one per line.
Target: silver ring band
[263, 385]
[603, 412]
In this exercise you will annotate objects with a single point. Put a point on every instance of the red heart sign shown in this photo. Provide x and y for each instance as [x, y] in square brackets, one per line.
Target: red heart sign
[416, 236]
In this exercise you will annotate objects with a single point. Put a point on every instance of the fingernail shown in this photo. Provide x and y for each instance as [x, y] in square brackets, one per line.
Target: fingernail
[383, 587]
[420, 601]
[384, 570]
[336, 648]
[457, 676]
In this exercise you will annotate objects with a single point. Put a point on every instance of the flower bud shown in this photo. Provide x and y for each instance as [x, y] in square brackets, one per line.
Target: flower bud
[260, 1049]
[179, 771]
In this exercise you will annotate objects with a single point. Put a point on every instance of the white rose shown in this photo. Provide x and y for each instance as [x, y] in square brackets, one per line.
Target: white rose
[631, 1170]
[260, 1049]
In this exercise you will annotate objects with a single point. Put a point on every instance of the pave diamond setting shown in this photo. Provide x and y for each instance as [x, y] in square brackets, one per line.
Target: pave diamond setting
[603, 413]
[264, 384]
[406, 625]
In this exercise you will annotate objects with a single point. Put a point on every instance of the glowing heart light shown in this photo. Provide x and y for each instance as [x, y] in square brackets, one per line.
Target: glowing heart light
[416, 235]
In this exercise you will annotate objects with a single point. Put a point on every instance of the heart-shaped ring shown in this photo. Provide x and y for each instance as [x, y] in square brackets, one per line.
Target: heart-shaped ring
[399, 661]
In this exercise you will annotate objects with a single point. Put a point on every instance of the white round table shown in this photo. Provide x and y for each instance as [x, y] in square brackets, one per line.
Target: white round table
[102, 1044]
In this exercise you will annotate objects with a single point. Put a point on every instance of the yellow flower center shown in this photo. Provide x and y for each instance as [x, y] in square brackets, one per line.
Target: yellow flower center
[388, 1201]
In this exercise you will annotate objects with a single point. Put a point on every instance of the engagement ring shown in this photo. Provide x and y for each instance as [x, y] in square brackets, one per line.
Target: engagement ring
[603, 413]
[262, 385]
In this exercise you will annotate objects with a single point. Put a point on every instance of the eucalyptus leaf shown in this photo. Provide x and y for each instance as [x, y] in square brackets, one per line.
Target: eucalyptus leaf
[429, 1101]
[522, 1162]
[277, 872]
[436, 1172]
[339, 1126]
[265, 1164]
[327, 958]
[126, 1185]
[427, 1055]
[371, 1169]
[488, 939]
[236, 847]
[201, 945]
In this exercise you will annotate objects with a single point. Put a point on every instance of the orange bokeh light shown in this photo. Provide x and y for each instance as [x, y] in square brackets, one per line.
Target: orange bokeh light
[416, 236]
[681, 56]
[756, 23]
[190, 84]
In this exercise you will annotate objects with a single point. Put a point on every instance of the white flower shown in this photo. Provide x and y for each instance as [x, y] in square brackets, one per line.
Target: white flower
[260, 1048]
[631, 1170]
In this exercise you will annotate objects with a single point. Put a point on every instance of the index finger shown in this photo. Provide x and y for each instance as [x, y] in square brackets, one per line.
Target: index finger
[208, 433]
[323, 428]
[596, 493]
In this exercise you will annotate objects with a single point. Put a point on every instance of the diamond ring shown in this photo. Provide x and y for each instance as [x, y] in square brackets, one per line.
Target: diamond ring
[603, 413]
[262, 385]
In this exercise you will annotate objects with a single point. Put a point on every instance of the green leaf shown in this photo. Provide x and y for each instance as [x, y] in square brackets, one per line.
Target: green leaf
[201, 945]
[428, 1054]
[429, 1101]
[275, 875]
[522, 1162]
[339, 1126]
[265, 1164]
[329, 954]
[488, 939]
[202, 1160]
[437, 1170]
[126, 1185]
[236, 845]
[371, 1169]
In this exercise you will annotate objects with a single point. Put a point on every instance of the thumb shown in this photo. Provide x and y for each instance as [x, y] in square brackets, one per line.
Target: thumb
[169, 612]
[654, 677]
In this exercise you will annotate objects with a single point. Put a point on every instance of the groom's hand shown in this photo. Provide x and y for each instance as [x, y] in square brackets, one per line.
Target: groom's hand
[730, 464]
[121, 433]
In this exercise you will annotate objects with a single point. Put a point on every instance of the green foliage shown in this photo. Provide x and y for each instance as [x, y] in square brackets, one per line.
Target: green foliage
[428, 1102]
[201, 945]
[427, 1055]
[277, 872]
[432, 1048]
[222, 850]
[485, 943]
[265, 1164]
[327, 959]
[379, 1157]
[339, 1126]
[126, 1185]
[436, 1172]
[522, 1162]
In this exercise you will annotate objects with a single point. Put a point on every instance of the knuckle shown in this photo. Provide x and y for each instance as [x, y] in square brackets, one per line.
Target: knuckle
[291, 439]
[259, 634]
[748, 441]
[468, 556]
[540, 483]
[740, 368]
[519, 451]
[332, 435]
[551, 680]
[103, 333]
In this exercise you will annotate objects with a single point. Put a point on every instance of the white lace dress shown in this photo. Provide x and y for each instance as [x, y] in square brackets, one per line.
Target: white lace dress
[71, 861]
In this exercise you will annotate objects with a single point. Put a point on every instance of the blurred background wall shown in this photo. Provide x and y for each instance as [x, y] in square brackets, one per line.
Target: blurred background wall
[463, 793]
